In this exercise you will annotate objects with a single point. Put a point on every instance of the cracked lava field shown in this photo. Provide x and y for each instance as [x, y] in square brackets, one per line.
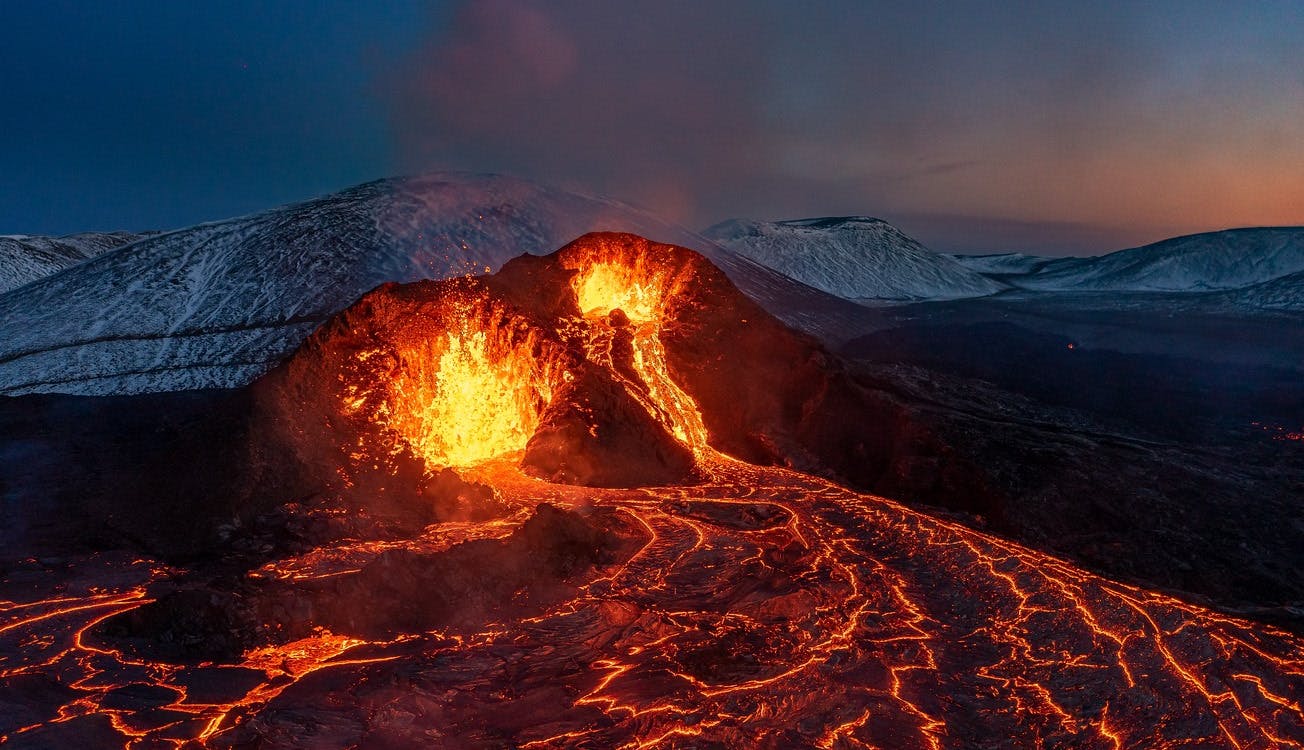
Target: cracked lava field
[684, 598]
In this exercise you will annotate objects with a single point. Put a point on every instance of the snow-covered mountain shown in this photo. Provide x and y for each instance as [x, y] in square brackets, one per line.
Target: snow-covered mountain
[1001, 264]
[24, 259]
[1231, 259]
[218, 304]
[857, 258]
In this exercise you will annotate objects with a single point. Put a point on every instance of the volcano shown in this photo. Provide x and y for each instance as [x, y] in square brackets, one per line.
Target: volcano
[613, 362]
[597, 499]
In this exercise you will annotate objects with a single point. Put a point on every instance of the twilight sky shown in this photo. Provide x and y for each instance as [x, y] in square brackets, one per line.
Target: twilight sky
[1053, 127]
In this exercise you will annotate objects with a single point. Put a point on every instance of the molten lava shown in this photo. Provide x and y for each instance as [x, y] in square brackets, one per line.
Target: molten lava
[637, 290]
[468, 396]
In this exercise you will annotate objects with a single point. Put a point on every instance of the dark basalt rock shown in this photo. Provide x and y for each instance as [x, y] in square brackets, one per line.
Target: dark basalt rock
[407, 591]
[594, 434]
[452, 498]
[400, 590]
[187, 626]
[767, 394]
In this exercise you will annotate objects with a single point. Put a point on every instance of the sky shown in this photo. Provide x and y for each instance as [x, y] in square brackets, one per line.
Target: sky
[1050, 127]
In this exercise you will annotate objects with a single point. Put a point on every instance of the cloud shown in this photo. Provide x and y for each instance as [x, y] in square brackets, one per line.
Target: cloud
[638, 105]
[1101, 120]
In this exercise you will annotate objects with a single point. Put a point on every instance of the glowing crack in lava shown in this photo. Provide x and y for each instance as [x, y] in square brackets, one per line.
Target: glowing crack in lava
[762, 607]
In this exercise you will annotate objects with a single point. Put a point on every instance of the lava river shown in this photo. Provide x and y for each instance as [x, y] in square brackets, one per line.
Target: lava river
[758, 606]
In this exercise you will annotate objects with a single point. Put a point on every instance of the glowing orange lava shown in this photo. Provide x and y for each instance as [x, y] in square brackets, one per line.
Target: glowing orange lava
[456, 378]
[641, 290]
[606, 286]
[467, 396]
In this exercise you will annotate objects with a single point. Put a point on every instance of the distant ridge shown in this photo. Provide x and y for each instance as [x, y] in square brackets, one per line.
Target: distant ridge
[1210, 261]
[854, 257]
[24, 258]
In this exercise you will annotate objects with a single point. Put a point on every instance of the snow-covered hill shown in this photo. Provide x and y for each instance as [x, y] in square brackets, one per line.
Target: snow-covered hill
[218, 304]
[856, 258]
[24, 259]
[1284, 293]
[1001, 264]
[1231, 259]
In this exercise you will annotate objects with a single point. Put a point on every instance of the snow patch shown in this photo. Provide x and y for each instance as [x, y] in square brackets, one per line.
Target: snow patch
[1231, 259]
[854, 257]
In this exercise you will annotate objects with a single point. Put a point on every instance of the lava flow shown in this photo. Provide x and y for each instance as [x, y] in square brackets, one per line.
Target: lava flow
[546, 595]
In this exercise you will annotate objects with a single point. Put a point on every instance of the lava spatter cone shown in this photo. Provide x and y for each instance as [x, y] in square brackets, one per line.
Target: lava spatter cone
[612, 362]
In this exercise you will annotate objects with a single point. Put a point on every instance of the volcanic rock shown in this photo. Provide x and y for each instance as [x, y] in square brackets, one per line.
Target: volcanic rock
[594, 434]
